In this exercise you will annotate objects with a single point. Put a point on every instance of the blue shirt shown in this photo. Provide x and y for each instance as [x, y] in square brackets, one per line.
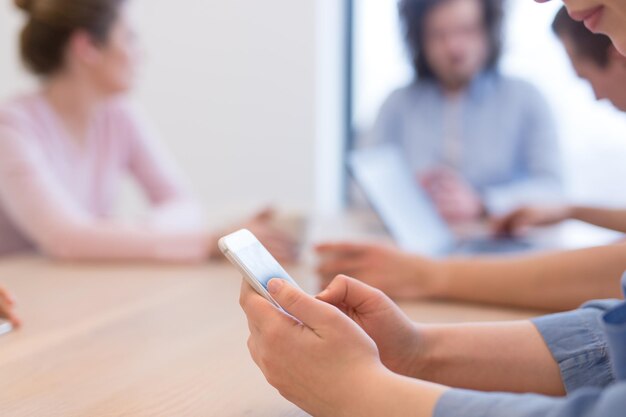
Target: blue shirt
[590, 347]
[499, 135]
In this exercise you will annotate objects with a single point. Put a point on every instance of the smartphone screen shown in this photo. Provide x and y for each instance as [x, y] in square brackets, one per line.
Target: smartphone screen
[261, 264]
[255, 262]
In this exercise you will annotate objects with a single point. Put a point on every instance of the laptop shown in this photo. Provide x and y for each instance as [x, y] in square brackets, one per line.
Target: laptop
[411, 218]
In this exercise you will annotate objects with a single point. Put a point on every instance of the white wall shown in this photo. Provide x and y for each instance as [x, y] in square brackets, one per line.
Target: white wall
[231, 87]
[331, 112]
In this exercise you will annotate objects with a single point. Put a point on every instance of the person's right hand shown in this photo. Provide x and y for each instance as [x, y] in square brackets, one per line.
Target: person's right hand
[398, 274]
[314, 355]
[521, 220]
[455, 198]
[396, 336]
[7, 307]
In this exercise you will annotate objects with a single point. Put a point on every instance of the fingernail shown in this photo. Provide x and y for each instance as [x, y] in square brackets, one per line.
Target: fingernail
[275, 285]
[323, 293]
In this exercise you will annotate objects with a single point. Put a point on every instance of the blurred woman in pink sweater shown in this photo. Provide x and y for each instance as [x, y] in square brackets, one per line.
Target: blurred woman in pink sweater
[64, 149]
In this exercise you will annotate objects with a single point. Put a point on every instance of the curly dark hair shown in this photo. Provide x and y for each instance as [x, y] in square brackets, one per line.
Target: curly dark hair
[413, 15]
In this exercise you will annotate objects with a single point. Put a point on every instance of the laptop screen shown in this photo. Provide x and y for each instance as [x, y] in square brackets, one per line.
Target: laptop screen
[408, 213]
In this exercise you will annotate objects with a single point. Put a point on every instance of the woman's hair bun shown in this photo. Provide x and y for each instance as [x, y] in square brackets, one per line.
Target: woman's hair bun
[26, 5]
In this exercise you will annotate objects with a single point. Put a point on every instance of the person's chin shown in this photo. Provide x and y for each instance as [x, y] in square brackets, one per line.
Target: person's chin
[612, 27]
[620, 43]
[122, 89]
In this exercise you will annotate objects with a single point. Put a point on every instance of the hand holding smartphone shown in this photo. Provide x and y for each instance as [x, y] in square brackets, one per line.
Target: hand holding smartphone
[254, 261]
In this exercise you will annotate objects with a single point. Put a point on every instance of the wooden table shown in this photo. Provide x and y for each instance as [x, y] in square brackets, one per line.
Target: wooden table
[104, 341]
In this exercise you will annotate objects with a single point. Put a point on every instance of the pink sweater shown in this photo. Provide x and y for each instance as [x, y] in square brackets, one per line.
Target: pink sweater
[56, 195]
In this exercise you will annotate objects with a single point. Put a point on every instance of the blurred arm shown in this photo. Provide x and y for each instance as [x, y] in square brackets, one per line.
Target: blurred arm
[613, 219]
[42, 209]
[552, 281]
[173, 206]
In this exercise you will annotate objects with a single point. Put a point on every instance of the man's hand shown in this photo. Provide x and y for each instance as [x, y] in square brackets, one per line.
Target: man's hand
[455, 198]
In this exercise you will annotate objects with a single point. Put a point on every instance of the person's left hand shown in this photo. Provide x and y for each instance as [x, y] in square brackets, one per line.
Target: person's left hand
[521, 220]
[455, 198]
[321, 362]
[398, 339]
[7, 307]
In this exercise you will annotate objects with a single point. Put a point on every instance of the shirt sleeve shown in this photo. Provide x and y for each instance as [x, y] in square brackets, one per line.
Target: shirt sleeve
[43, 210]
[592, 402]
[388, 125]
[579, 345]
[541, 164]
[173, 205]
[615, 329]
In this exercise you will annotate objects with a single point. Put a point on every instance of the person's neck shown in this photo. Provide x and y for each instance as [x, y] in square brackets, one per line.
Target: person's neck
[74, 101]
[454, 90]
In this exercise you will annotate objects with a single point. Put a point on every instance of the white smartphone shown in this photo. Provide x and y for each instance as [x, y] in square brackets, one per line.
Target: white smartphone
[255, 263]
[5, 327]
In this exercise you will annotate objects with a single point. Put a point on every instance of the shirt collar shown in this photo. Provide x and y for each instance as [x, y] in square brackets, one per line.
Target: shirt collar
[477, 90]
[482, 85]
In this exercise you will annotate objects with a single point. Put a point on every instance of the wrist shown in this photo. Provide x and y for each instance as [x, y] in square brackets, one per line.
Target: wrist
[419, 345]
[425, 357]
[363, 392]
[572, 212]
[385, 393]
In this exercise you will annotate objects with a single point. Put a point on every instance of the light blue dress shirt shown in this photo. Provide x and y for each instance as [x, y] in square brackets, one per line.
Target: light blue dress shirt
[590, 347]
[499, 135]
